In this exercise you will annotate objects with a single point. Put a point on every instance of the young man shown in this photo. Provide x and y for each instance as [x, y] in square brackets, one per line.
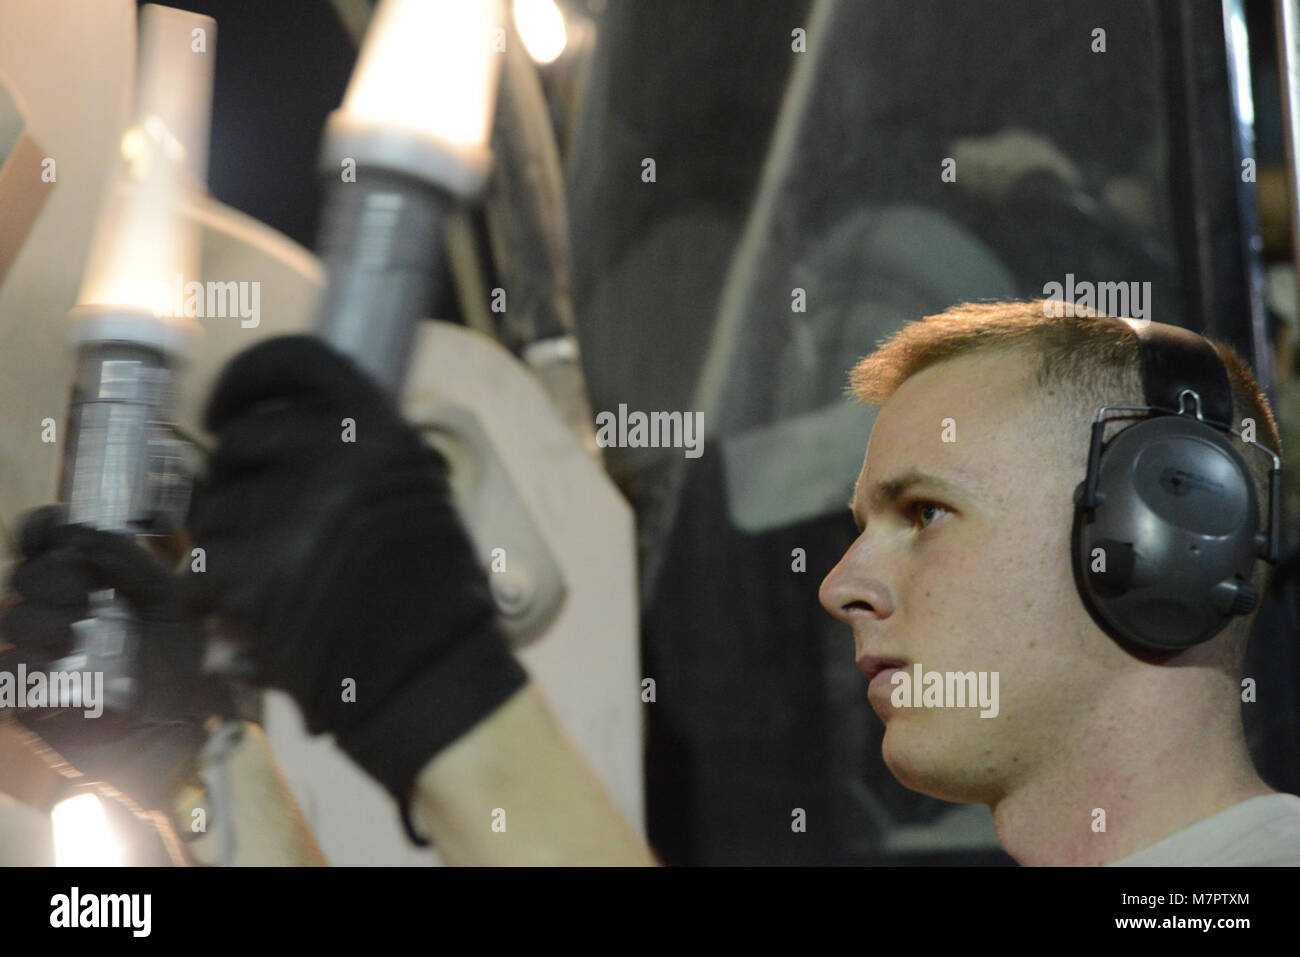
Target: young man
[1091, 753]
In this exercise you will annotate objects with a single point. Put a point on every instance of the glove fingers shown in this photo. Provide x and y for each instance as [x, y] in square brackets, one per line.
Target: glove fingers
[254, 443]
[36, 528]
[285, 368]
[40, 634]
[67, 557]
[119, 563]
[56, 578]
[45, 535]
[228, 513]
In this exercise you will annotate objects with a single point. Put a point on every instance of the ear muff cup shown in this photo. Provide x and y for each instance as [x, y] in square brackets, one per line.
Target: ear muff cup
[1163, 562]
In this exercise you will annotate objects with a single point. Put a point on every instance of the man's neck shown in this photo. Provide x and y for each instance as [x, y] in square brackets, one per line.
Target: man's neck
[1128, 784]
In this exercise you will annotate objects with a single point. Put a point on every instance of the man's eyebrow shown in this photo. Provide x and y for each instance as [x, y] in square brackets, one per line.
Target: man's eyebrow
[883, 494]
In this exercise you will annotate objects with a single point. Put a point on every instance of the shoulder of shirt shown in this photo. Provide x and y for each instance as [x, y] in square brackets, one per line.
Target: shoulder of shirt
[1262, 831]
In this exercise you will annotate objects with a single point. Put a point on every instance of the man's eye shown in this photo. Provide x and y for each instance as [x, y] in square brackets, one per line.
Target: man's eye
[925, 514]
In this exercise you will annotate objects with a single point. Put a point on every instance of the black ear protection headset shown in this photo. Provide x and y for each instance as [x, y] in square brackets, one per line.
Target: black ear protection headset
[1166, 523]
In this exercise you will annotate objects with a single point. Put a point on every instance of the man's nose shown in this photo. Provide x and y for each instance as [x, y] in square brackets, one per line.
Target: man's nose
[853, 589]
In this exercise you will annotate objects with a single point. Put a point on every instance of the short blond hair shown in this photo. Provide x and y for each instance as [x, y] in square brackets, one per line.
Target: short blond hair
[1092, 360]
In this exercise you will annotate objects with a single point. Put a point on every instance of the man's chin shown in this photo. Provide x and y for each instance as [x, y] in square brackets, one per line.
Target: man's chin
[929, 767]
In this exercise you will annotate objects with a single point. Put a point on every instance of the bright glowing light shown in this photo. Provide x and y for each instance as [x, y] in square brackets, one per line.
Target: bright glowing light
[142, 241]
[430, 66]
[82, 837]
[541, 25]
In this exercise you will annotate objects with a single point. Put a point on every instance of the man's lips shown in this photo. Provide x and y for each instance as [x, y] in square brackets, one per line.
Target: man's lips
[872, 665]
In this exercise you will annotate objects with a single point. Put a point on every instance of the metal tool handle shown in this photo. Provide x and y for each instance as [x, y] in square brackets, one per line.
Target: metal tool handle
[122, 472]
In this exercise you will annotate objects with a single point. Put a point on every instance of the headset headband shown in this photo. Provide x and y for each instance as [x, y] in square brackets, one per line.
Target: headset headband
[1175, 361]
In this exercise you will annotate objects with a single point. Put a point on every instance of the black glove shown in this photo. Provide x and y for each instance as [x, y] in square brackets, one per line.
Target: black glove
[344, 563]
[149, 753]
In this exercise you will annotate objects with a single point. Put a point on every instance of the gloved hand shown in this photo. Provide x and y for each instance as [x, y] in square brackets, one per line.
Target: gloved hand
[149, 754]
[333, 547]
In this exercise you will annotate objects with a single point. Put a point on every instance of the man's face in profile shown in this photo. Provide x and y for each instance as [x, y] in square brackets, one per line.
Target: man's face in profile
[964, 565]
